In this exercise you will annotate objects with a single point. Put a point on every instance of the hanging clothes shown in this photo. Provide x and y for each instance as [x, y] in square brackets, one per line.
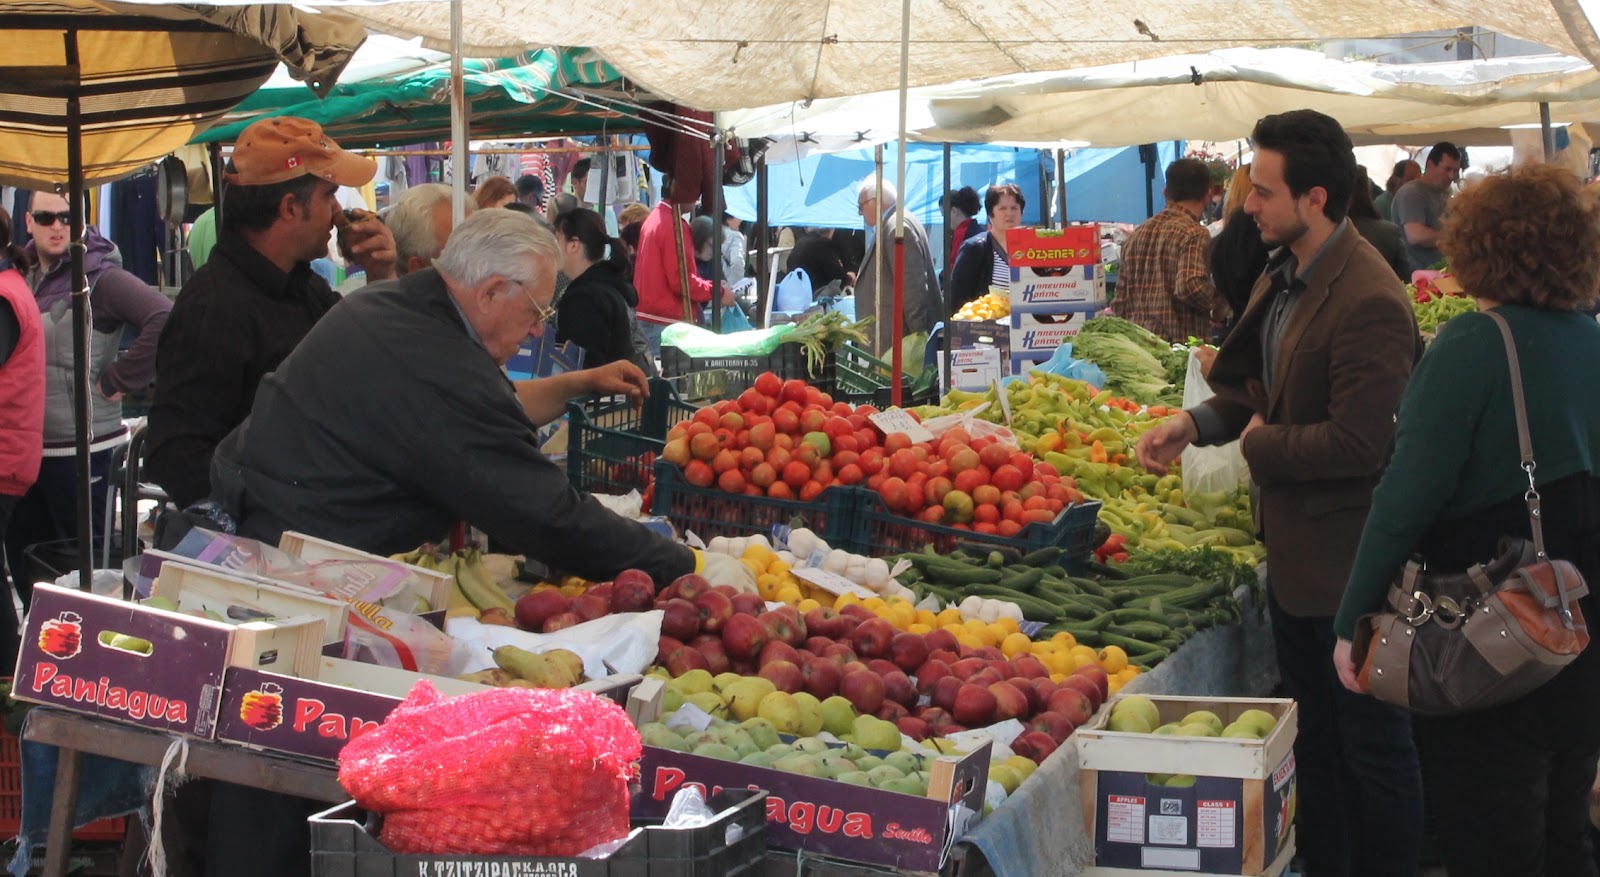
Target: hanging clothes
[687, 157]
[136, 226]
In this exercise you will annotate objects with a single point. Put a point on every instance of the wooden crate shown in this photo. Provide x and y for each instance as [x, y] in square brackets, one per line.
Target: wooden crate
[194, 587]
[1237, 818]
[429, 584]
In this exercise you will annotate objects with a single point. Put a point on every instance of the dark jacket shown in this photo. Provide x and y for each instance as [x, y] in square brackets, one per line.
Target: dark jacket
[820, 258]
[1384, 236]
[974, 269]
[1341, 366]
[1237, 258]
[594, 312]
[234, 321]
[390, 423]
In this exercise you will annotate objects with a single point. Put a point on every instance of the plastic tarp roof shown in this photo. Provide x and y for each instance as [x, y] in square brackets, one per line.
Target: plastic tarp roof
[733, 54]
[1214, 96]
[401, 102]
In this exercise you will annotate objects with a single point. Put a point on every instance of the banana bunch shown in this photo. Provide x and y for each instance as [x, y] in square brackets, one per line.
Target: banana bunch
[476, 593]
[989, 306]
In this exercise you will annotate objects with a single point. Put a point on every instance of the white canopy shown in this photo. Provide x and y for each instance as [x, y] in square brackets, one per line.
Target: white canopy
[735, 54]
[1214, 96]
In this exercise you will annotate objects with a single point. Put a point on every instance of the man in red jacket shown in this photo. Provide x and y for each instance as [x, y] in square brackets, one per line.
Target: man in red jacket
[21, 406]
[665, 259]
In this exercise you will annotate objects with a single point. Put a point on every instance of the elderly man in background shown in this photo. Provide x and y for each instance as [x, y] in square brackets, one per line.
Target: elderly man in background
[923, 303]
[420, 222]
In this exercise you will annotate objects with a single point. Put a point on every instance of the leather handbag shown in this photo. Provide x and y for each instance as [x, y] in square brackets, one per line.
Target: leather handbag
[1452, 643]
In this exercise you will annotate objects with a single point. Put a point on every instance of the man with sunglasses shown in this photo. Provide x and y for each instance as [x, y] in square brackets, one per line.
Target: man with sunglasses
[117, 301]
[256, 296]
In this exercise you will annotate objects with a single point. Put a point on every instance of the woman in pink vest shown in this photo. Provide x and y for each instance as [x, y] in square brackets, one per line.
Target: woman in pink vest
[21, 406]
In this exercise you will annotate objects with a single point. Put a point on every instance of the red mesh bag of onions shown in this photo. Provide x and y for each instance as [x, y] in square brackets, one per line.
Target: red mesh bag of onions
[508, 771]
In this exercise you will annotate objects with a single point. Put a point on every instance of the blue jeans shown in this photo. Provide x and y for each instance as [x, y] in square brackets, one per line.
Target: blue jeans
[1360, 788]
[652, 336]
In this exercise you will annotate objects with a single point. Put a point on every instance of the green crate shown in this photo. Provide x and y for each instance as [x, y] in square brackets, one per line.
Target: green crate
[860, 378]
[612, 448]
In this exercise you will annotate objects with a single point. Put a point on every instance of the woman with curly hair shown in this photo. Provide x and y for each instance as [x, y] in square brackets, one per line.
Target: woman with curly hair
[1509, 784]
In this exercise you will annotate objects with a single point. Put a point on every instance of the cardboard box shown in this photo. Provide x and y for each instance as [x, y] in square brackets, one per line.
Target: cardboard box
[1053, 247]
[66, 660]
[314, 717]
[824, 817]
[1236, 819]
[429, 584]
[980, 352]
[1036, 336]
[1080, 288]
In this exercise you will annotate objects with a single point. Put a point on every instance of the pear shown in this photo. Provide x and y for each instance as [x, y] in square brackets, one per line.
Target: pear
[692, 682]
[1140, 706]
[905, 762]
[1205, 717]
[719, 751]
[762, 734]
[855, 778]
[838, 715]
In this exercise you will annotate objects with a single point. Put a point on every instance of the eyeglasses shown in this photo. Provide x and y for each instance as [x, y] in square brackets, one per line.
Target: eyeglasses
[47, 218]
[861, 206]
[545, 315]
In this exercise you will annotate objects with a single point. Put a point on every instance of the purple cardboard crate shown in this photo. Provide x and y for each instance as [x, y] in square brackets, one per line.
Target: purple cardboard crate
[828, 818]
[66, 661]
[301, 717]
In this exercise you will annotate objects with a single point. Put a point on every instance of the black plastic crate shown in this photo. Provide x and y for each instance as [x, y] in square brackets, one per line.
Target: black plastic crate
[788, 361]
[344, 843]
[710, 511]
[611, 448]
[877, 531]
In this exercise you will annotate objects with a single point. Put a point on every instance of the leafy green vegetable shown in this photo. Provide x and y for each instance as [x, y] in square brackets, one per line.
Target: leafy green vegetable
[1206, 563]
[1171, 363]
[821, 333]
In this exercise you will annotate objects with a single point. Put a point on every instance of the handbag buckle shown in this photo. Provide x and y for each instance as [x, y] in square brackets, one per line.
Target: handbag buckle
[1420, 610]
[1447, 613]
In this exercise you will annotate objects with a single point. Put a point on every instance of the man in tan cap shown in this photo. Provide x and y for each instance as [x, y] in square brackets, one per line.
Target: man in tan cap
[253, 300]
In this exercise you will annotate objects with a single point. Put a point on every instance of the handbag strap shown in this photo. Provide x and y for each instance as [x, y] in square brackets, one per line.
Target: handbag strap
[1524, 438]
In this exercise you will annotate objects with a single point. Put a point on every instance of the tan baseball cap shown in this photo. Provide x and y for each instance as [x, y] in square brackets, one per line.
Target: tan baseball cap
[282, 148]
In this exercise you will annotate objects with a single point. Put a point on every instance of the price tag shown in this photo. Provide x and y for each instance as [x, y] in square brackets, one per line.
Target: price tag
[1005, 402]
[833, 583]
[899, 420]
[689, 717]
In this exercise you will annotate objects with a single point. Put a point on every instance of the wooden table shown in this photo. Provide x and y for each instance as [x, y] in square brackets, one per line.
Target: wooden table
[75, 734]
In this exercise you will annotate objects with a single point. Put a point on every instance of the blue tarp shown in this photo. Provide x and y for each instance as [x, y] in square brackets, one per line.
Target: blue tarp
[820, 191]
[1103, 185]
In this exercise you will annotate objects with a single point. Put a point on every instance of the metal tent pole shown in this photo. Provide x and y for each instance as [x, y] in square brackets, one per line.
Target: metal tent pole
[898, 357]
[760, 235]
[80, 322]
[716, 230]
[458, 119]
[1544, 129]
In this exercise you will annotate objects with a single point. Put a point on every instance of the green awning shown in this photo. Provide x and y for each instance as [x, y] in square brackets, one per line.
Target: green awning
[533, 94]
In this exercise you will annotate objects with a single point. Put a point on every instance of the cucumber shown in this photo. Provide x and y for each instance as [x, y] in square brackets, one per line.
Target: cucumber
[1088, 586]
[1026, 582]
[1042, 557]
[1149, 631]
[1136, 648]
[1106, 572]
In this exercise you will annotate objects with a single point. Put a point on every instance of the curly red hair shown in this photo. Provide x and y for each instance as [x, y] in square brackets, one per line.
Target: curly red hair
[1529, 236]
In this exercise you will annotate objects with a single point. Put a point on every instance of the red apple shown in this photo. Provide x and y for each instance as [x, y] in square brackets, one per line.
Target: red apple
[892, 712]
[744, 667]
[1034, 700]
[590, 606]
[825, 622]
[897, 687]
[929, 673]
[716, 656]
[536, 606]
[816, 645]
[604, 590]
[690, 586]
[785, 625]
[944, 692]
[665, 646]
[881, 666]
[728, 591]
[990, 653]
[1028, 667]
[686, 659]
[987, 676]
[864, 689]
[1004, 668]
[871, 639]
[778, 650]
[974, 705]
[948, 656]
[784, 675]
[680, 620]
[1056, 725]
[941, 639]
[1098, 674]
[822, 677]
[966, 668]
[908, 650]
[840, 654]
[715, 609]
[1034, 745]
[1085, 686]
[1070, 704]
[1045, 688]
[634, 592]
[858, 612]
[748, 604]
[913, 727]
[744, 635]
[1009, 702]
[561, 621]
[936, 717]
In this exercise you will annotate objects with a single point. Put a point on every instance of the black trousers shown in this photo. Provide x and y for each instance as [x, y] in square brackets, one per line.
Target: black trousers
[1359, 810]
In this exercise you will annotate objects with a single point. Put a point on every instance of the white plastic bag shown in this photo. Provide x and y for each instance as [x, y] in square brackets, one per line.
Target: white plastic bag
[1207, 470]
[794, 293]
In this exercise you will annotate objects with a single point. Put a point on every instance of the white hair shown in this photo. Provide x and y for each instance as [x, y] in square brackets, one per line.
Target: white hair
[493, 243]
[410, 220]
[869, 186]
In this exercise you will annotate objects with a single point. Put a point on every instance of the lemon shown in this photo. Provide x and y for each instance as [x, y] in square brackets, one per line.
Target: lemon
[1015, 644]
[1113, 658]
[789, 594]
[808, 604]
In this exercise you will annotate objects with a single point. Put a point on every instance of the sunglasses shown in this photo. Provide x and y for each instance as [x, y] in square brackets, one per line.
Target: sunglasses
[47, 218]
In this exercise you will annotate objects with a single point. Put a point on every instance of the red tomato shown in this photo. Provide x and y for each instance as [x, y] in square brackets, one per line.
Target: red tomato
[1023, 462]
[933, 492]
[763, 475]
[986, 513]
[751, 457]
[876, 481]
[985, 528]
[732, 481]
[986, 494]
[1008, 528]
[780, 490]
[933, 514]
[810, 490]
[994, 456]
[895, 442]
[1032, 504]
[903, 463]
[707, 416]
[1008, 477]
[843, 409]
[872, 461]
[769, 384]
[893, 491]
[968, 481]
[699, 474]
[837, 426]
[850, 473]
[796, 474]
[724, 461]
[794, 390]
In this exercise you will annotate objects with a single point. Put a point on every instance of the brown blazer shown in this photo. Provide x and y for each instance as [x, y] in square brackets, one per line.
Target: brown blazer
[1342, 365]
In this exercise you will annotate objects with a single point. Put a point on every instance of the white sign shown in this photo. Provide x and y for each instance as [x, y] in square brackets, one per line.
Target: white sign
[833, 583]
[899, 420]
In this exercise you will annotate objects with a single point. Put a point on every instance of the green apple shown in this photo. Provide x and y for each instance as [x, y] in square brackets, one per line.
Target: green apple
[1203, 717]
[1138, 705]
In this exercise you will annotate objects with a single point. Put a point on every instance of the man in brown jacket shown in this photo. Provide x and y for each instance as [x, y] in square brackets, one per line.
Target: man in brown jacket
[1310, 381]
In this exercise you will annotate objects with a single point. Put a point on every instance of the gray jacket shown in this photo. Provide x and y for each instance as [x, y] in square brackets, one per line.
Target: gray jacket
[923, 302]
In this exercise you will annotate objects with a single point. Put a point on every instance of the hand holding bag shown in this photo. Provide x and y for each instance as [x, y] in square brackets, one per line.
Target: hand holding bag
[1452, 643]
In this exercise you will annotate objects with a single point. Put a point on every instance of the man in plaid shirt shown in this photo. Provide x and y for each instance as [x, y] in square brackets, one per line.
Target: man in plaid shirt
[1164, 284]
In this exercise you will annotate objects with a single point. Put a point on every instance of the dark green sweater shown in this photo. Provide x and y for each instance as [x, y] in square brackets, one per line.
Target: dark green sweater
[1456, 440]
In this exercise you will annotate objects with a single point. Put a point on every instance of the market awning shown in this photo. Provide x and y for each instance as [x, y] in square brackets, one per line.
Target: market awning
[732, 54]
[1214, 96]
[548, 91]
[145, 79]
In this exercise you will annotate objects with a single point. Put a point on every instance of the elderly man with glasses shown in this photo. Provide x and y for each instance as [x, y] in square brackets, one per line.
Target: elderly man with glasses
[393, 420]
[118, 301]
[923, 302]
